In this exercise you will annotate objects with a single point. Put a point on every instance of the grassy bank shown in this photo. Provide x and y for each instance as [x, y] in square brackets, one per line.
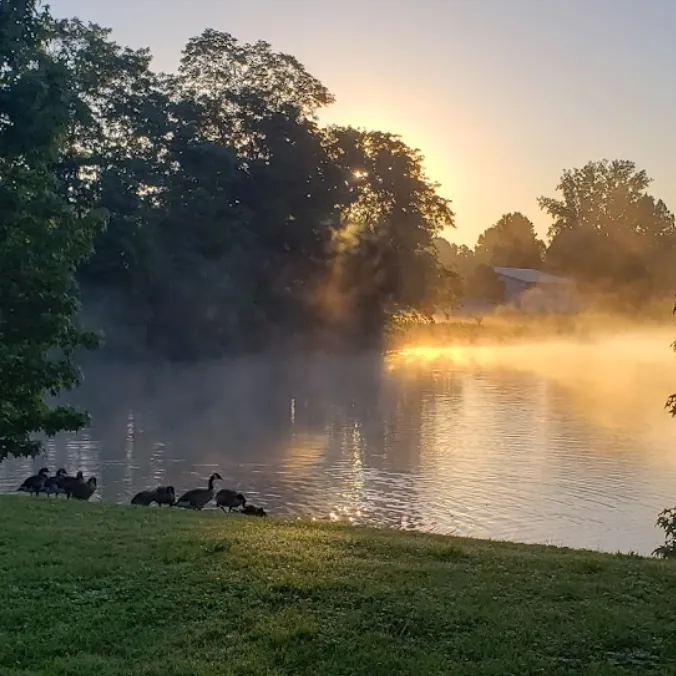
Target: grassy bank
[112, 590]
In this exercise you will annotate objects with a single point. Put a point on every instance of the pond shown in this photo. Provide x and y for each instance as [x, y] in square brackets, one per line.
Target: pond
[560, 443]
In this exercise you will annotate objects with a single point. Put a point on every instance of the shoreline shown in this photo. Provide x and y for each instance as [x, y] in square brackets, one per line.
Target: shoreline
[319, 521]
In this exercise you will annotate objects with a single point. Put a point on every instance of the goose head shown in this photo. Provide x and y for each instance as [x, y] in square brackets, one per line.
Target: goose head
[214, 477]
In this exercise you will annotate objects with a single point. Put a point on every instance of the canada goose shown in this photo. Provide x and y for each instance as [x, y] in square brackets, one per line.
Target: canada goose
[198, 497]
[230, 499]
[162, 495]
[53, 483]
[70, 483]
[35, 483]
[166, 496]
[85, 489]
[250, 510]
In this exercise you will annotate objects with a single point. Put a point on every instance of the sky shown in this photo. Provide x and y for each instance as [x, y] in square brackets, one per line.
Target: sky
[499, 95]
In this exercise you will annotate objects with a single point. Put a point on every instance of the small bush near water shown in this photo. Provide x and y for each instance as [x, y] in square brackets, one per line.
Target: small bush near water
[666, 520]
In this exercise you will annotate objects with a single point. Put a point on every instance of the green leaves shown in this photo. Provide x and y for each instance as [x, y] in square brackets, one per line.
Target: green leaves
[42, 241]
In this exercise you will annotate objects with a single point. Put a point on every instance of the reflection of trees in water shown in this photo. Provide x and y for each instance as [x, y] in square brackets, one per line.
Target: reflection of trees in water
[250, 411]
[307, 435]
[491, 452]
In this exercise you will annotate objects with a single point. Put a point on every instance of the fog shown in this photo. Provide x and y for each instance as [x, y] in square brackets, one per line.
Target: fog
[558, 439]
[621, 377]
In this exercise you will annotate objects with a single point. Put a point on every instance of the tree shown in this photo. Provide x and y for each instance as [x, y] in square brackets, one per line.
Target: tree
[608, 230]
[511, 243]
[459, 258]
[484, 284]
[666, 519]
[384, 261]
[42, 241]
[117, 137]
[233, 216]
[231, 80]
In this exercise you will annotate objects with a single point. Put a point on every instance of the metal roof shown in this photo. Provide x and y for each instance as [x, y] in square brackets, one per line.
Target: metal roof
[530, 276]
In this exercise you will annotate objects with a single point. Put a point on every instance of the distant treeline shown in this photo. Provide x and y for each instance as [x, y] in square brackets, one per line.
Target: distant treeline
[608, 234]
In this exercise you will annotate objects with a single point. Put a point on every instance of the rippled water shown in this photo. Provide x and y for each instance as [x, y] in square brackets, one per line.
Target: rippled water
[561, 444]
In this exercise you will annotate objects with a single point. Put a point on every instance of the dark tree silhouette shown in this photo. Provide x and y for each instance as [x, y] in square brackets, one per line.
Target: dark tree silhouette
[608, 231]
[511, 242]
[235, 220]
[459, 258]
[484, 284]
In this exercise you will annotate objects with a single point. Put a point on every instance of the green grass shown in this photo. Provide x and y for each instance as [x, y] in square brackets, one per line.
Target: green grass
[111, 590]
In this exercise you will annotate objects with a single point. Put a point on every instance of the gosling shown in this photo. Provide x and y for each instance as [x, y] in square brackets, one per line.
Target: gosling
[53, 484]
[85, 490]
[251, 510]
[230, 499]
[70, 483]
[162, 495]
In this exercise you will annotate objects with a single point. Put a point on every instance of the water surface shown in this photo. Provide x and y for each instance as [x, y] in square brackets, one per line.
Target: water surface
[561, 444]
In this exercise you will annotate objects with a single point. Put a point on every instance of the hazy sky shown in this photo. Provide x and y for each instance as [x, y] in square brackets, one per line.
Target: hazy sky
[500, 95]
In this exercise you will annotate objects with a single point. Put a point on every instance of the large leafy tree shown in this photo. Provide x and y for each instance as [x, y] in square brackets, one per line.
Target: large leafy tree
[231, 211]
[607, 229]
[384, 258]
[511, 242]
[42, 240]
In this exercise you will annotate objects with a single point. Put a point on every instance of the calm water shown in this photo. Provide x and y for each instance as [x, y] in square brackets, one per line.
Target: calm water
[561, 444]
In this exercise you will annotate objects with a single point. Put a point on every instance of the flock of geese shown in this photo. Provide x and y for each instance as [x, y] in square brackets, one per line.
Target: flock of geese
[76, 487]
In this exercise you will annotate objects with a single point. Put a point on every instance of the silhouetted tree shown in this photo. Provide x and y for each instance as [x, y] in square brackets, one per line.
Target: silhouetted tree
[608, 230]
[384, 260]
[484, 284]
[459, 258]
[511, 242]
[235, 219]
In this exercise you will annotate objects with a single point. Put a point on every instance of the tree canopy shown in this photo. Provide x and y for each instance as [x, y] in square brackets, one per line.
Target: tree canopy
[608, 231]
[42, 240]
[511, 243]
[235, 220]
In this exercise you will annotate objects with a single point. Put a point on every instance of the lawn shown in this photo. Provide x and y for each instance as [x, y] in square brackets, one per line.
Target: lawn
[111, 590]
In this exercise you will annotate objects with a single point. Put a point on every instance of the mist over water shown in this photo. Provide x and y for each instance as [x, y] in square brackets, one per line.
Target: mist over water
[556, 442]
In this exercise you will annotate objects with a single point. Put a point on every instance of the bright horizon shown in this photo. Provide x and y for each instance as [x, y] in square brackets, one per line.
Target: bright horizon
[499, 95]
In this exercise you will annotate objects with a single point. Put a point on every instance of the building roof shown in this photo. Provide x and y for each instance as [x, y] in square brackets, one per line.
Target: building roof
[530, 276]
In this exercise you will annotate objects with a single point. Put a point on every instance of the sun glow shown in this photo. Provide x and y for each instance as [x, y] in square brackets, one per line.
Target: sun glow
[424, 354]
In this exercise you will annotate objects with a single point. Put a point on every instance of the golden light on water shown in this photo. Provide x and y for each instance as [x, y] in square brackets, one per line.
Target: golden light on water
[620, 381]
[425, 354]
